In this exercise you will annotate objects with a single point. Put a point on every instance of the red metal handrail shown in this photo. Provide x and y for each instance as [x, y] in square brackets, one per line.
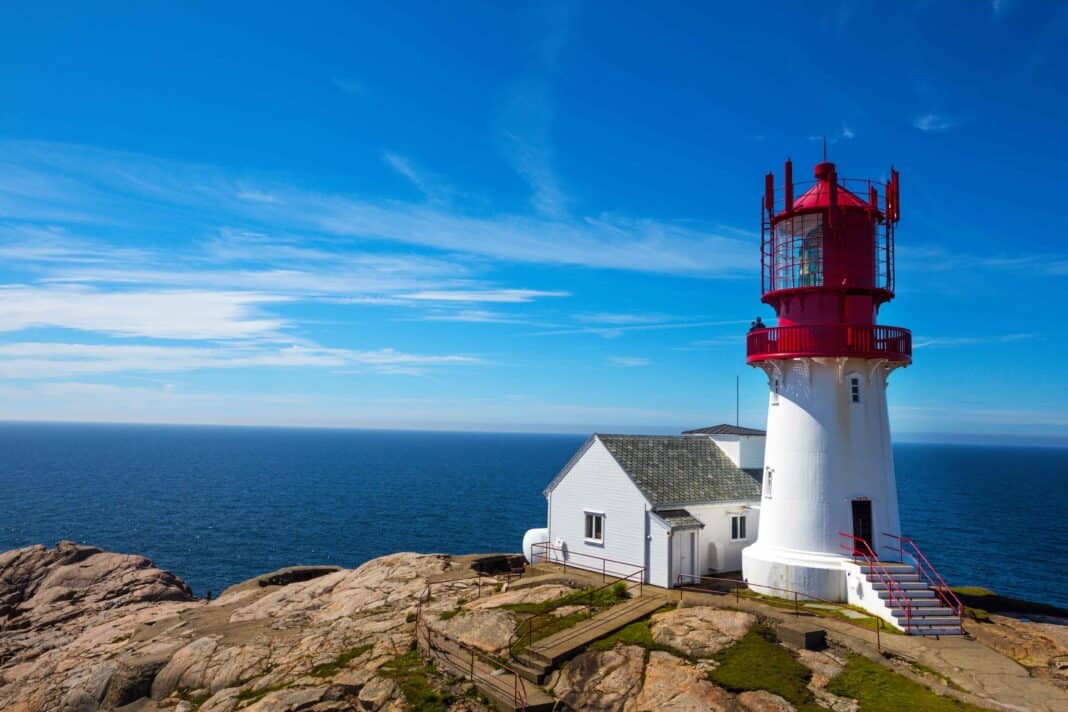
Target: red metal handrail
[929, 572]
[862, 547]
[519, 694]
[536, 618]
[638, 574]
[861, 341]
[746, 584]
[605, 572]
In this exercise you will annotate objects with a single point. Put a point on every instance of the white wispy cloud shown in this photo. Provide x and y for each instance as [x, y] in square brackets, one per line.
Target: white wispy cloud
[932, 122]
[843, 134]
[504, 296]
[49, 360]
[43, 181]
[612, 318]
[933, 258]
[475, 316]
[154, 314]
[921, 342]
[630, 361]
[612, 332]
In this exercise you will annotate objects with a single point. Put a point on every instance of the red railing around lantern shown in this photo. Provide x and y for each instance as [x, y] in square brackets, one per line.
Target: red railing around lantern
[830, 340]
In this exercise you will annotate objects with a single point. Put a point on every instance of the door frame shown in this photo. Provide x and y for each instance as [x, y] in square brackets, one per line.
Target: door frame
[864, 508]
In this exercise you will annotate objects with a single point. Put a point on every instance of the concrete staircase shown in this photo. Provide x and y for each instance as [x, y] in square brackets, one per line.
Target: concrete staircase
[538, 660]
[929, 615]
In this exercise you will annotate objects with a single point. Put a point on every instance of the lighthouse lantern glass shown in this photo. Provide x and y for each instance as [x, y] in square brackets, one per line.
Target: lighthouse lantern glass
[797, 252]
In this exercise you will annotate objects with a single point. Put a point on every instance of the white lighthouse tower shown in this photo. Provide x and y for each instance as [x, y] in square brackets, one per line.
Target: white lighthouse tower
[829, 511]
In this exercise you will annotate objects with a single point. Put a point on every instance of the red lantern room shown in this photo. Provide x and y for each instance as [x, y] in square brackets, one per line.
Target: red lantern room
[827, 265]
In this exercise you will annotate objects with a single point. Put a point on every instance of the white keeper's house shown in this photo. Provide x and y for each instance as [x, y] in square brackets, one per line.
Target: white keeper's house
[685, 504]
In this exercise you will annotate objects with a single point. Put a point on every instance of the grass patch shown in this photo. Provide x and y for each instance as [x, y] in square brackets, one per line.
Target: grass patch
[413, 676]
[758, 662]
[186, 695]
[546, 628]
[784, 604]
[637, 633]
[600, 598]
[410, 618]
[985, 601]
[881, 690]
[333, 668]
[252, 696]
[446, 615]
[925, 671]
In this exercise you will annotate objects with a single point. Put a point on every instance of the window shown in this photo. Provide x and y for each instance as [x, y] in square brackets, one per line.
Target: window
[767, 482]
[775, 391]
[797, 252]
[737, 527]
[594, 526]
[854, 389]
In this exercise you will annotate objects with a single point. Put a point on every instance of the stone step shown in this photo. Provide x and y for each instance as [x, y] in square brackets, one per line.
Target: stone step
[890, 567]
[914, 596]
[935, 621]
[560, 645]
[930, 612]
[498, 684]
[530, 669]
[878, 585]
[933, 631]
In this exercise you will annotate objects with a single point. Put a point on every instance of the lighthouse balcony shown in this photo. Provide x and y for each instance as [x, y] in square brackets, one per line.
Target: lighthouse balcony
[830, 340]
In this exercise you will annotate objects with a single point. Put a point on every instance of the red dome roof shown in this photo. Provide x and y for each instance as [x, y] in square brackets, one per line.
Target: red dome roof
[819, 195]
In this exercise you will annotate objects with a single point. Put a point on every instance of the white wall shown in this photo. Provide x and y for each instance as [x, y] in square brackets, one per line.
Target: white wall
[718, 552]
[746, 451]
[823, 451]
[752, 451]
[596, 483]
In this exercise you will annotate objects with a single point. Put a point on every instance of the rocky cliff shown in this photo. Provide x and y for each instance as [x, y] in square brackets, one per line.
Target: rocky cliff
[82, 630]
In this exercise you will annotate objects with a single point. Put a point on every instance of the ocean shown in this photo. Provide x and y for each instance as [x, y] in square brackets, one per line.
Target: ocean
[218, 505]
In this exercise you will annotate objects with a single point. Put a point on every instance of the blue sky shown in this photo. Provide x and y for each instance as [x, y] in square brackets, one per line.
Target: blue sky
[506, 216]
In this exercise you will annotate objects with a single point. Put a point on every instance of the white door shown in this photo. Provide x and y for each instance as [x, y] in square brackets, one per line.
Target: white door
[683, 556]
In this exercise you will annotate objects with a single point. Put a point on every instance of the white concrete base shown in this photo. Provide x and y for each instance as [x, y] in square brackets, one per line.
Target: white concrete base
[819, 576]
[863, 595]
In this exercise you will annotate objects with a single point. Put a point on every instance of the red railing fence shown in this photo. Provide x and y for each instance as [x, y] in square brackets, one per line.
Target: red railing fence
[859, 547]
[907, 548]
[429, 635]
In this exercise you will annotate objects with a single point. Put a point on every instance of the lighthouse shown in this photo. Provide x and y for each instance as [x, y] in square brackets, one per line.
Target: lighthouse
[828, 497]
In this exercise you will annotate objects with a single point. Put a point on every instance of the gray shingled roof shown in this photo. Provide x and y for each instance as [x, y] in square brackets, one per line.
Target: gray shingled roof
[678, 518]
[724, 429]
[672, 469]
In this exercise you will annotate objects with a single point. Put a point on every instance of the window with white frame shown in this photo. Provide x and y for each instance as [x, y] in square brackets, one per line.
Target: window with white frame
[768, 477]
[595, 526]
[775, 391]
[854, 389]
[737, 527]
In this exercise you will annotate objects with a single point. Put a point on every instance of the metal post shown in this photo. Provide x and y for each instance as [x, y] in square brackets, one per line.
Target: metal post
[472, 665]
[797, 610]
[479, 586]
[737, 595]
[878, 640]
